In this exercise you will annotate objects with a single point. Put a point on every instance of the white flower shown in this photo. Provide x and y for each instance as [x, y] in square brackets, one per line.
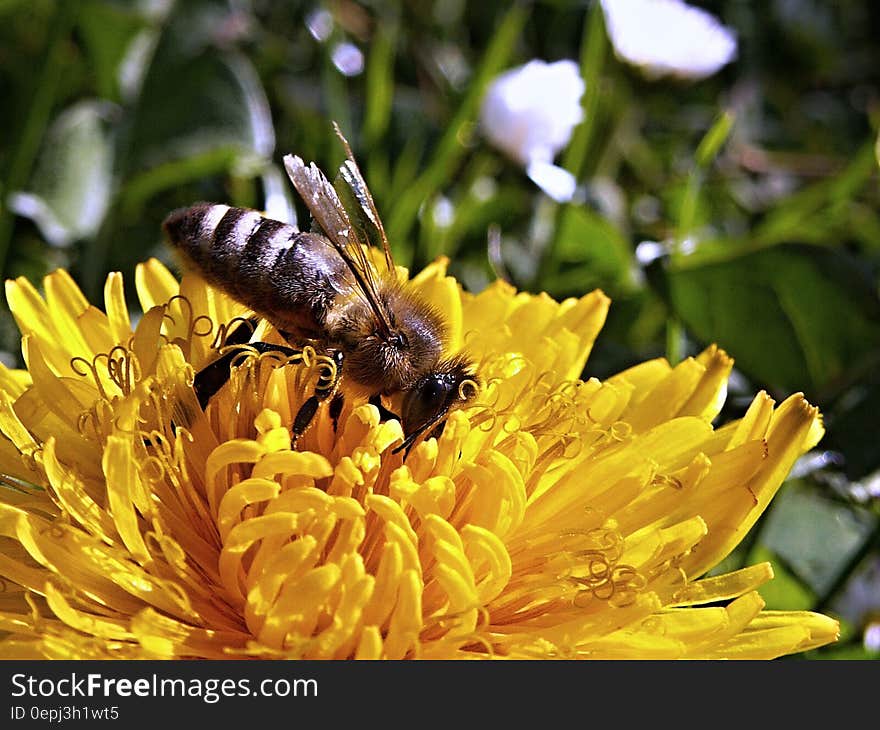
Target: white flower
[529, 113]
[668, 37]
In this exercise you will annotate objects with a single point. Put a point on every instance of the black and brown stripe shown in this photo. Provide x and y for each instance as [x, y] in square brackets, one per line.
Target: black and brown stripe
[287, 275]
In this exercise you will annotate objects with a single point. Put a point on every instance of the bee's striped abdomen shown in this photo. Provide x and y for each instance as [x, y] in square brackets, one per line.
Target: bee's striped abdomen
[228, 242]
[268, 265]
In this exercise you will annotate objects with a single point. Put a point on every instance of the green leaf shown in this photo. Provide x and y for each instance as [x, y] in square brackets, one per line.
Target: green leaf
[814, 535]
[792, 317]
[589, 251]
[786, 592]
[715, 138]
[823, 205]
[71, 186]
[855, 427]
[143, 186]
[107, 31]
[34, 123]
[191, 107]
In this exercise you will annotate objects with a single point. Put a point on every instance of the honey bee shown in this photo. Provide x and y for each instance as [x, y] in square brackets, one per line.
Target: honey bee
[321, 289]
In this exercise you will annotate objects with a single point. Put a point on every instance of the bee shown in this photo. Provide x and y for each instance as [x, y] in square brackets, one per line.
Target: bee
[321, 289]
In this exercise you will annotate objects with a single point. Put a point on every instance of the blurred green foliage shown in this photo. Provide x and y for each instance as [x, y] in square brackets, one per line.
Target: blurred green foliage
[757, 186]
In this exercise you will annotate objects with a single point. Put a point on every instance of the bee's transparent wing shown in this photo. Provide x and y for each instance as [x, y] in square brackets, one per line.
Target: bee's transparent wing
[359, 203]
[346, 237]
[354, 205]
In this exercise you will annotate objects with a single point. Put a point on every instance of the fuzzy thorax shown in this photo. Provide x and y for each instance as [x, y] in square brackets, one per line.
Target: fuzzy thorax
[387, 361]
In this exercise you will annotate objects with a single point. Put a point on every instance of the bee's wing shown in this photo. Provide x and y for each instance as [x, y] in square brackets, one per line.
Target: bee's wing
[365, 208]
[326, 208]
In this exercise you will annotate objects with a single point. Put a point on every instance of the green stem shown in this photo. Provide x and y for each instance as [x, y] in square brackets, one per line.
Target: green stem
[674, 340]
[592, 57]
[709, 147]
[450, 149]
[380, 83]
[593, 46]
[28, 146]
[688, 212]
[687, 215]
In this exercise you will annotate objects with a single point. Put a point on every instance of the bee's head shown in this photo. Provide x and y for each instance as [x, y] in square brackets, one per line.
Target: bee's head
[449, 385]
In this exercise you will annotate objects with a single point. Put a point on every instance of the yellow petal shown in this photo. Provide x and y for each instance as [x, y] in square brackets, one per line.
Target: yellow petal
[117, 309]
[726, 586]
[123, 486]
[155, 284]
[442, 293]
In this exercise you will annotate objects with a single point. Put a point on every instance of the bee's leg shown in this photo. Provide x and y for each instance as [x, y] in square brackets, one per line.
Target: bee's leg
[306, 413]
[214, 376]
[384, 413]
[336, 410]
[242, 333]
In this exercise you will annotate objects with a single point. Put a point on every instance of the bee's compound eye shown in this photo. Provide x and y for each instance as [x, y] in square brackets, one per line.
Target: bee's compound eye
[426, 402]
[434, 391]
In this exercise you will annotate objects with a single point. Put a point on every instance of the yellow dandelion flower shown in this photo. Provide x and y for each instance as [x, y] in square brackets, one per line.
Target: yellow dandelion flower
[554, 517]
